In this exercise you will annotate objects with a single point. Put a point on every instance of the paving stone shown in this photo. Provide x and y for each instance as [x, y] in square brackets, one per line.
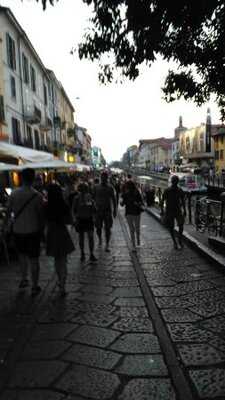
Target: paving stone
[182, 288]
[97, 289]
[94, 336]
[218, 343]
[209, 383]
[92, 357]
[88, 382]
[90, 308]
[45, 350]
[161, 281]
[127, 292]
[32, 395]
[132, 312]
[148, 389]
[200, 354]
[134, 325]
[209, 307]
[53, 331]
[143, 365]
[166, 302]
[124, 283]
[97, 298]
[216, 324]
[137, 343]
[189, 333]
[36, 373]
[179, 315]
[130, 302]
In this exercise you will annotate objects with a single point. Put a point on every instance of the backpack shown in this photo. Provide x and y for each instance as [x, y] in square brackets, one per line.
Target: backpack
[85, 207]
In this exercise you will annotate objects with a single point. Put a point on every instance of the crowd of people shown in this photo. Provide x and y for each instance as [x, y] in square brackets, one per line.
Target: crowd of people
[40, 213]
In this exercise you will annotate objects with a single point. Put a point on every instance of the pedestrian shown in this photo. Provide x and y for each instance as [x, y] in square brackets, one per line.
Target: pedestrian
[106, 209]
[134, 205]
[26, 205]
[83, 215]
[174, 198]
[58, 241]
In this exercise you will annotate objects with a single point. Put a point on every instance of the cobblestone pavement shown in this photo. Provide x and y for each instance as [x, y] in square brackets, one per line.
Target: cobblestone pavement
[145, 326]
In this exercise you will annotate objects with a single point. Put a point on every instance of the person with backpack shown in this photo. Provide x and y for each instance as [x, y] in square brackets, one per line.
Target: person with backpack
[83, 211]
[26, 205]
[105, 200]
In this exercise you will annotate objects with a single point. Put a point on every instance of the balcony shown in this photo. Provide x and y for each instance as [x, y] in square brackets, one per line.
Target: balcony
[47, 126]
[33, 117]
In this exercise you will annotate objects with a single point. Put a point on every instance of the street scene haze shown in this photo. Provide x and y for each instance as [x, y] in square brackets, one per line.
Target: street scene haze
[112, 200]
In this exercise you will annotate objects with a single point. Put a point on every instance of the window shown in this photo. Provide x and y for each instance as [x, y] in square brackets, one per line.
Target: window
[2, 109]
[13, 87]
[11, 52]
[221, 139]
[45, 95]
[25, 66]
[221, 154]
[29, 137]
[217, 155]
[16, 131]
[33, 78]
[36, 140]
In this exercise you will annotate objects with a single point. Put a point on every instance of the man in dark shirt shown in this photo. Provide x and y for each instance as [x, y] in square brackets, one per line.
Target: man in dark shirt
[175, 209]
[105, 200]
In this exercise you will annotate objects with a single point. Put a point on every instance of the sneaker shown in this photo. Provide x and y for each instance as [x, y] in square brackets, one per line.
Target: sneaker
[82, 258]
[93, 258]
[23, 284]
[35, 291]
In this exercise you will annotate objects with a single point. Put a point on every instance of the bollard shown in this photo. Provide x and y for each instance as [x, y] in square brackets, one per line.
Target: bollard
[222, 197]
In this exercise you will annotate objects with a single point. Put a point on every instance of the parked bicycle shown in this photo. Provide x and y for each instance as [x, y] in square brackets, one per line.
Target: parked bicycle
[207, 216]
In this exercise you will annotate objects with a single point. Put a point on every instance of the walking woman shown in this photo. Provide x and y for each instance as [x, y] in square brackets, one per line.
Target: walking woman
[83, 214]
[133, 203]
[59, 242]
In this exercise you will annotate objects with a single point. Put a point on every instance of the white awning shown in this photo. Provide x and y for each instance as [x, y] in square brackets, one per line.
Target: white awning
[25, 154]
[8, 167]
[55, 164]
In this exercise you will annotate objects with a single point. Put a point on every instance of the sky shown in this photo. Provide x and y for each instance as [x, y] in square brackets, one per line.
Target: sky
[116, 116]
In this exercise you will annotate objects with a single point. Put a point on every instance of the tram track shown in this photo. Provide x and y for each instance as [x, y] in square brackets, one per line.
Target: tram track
[176, 371]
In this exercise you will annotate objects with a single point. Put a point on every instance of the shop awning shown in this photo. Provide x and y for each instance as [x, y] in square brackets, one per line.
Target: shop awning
[8, 167]
[55, 165]
[25, 154]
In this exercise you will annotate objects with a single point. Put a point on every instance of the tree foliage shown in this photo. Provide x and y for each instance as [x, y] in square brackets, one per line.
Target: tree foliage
[124, 34]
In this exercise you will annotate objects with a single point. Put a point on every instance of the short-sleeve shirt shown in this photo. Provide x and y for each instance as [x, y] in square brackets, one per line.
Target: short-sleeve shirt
[31, 218]
[104, 196]
[174, 197]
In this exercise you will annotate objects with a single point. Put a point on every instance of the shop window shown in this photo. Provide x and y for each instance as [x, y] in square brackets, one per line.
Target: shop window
[221, 154]
[29, 136]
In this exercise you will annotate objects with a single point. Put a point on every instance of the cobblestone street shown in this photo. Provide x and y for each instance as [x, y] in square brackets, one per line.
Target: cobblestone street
[144, 326]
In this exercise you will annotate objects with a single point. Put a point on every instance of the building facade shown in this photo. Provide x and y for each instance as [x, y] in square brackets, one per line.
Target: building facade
[219, 147]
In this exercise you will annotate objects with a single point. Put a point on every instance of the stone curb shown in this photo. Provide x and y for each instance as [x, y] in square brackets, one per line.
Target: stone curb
[200, 247]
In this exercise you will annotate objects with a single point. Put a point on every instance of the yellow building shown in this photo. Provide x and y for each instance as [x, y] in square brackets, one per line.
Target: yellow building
[66, 114]
[3, 126]
[219, 146]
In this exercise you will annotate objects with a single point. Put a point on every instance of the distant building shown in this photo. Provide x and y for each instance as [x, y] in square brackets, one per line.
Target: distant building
[98, 160]
[219, 146]
[197, 145]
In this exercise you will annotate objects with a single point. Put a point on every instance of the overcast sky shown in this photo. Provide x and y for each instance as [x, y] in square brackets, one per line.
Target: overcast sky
[116, 116]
